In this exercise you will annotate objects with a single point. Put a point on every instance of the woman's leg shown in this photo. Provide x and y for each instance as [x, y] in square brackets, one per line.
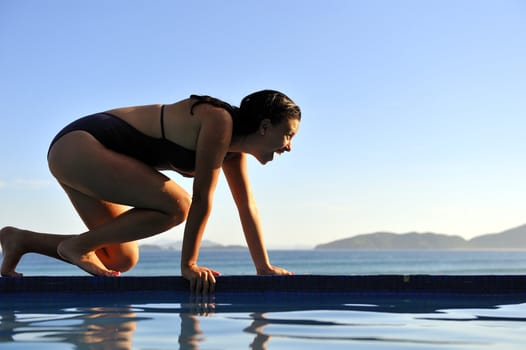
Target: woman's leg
[16, 242]
[94, 212]
[86, 169]
[80, 162]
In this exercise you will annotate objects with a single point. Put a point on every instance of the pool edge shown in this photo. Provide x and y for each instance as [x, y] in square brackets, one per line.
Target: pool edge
[463, 284]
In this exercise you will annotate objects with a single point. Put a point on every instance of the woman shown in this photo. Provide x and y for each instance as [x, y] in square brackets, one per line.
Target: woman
[108, 164]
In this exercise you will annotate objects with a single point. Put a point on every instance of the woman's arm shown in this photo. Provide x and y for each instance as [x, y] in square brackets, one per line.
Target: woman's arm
[212, 144]
[236, 173]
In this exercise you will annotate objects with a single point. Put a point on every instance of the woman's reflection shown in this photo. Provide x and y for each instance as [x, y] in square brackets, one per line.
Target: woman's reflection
[105, 328]
[256, 327]
[191, 335]
[99, 327]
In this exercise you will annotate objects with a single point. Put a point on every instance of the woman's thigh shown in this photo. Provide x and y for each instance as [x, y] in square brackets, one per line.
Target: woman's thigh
[82, 163]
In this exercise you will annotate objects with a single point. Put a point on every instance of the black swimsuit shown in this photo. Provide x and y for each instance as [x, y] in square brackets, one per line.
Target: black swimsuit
[119, 136]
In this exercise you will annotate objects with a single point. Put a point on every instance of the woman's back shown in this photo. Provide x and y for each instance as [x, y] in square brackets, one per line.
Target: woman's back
[180, 126]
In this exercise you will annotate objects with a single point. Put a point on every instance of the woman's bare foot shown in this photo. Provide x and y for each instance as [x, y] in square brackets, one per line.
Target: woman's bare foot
[87, 261]
[12, 250]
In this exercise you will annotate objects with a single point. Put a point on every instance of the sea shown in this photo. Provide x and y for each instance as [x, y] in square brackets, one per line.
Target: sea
[311, 261]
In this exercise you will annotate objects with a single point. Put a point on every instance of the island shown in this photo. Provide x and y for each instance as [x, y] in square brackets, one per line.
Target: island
[514, 238]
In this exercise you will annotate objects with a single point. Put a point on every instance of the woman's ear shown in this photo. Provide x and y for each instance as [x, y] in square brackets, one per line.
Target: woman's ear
[264, 125]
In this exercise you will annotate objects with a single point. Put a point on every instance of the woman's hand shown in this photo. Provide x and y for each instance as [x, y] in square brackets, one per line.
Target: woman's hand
[202, 279]
[273, 270]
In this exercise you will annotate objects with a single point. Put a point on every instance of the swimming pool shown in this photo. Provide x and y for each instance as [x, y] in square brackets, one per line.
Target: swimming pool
[272, 312]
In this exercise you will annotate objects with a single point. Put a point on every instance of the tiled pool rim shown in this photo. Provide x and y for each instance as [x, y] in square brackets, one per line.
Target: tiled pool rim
[320, 284]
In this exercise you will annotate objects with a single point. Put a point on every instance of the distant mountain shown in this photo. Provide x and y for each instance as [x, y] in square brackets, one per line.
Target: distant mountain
[510, 239]
[151, 247]
[388, 240]
[514, 238]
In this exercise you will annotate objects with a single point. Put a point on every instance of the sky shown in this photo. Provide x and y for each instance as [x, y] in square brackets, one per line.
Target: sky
[413, 112]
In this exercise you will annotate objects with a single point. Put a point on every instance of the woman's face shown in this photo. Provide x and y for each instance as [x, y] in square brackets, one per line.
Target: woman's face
[275, 138]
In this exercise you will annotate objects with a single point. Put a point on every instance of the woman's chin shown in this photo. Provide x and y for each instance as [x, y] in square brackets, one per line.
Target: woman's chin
[264, 159]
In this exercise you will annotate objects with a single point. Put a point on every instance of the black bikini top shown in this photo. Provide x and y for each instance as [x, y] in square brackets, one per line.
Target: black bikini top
[184, 163]
[232, 110]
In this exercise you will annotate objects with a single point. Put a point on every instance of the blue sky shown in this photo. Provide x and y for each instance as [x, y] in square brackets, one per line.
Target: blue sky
[413, 111]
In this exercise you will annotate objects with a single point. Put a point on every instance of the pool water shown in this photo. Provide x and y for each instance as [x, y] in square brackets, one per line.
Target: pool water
[175, 320]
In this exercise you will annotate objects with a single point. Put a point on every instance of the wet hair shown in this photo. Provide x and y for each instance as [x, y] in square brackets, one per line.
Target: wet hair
[254, 108]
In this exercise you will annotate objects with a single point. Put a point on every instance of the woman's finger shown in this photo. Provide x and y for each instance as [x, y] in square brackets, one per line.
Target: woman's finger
[198, 284]
[205, 283]
[193, 283]
[213, 282]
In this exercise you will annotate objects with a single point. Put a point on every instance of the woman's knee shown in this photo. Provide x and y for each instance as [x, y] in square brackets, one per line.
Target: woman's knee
[124, 263]
[179, 209]
[119, 257]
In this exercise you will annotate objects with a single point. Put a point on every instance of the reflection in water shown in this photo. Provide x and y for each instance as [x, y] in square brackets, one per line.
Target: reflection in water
[191, 335]
[256, 327]
[108, 329]
[226, 324]
[90, 328]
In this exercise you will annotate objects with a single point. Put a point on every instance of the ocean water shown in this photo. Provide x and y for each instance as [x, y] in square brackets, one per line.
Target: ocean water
[372, 321]
[329, 262]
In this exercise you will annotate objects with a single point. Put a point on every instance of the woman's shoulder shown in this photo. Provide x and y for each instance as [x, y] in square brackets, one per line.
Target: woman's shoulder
[212, 104]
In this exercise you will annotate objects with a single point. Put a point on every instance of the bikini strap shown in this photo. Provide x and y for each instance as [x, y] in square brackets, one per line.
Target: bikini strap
[204, 99]
[162, 122]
